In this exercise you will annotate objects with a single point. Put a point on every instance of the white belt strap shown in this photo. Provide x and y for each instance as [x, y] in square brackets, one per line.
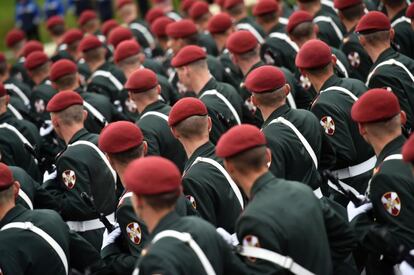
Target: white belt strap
[394, 157]
[332, 23]
[226, 101]
[19, 93]
[284, 37]
[344, 186]
[283, 261]
[110, 76]
[390, 62]
[356, 170]
[401, 20]
[142, 29]
[341, 66]
[302, 139]
[342, 90]
[26, 198]
[103, 157]
[19, 135]
[233, 185]
[30, 226]
[186, 238]
[250, 28]
[14, 112]
[83, 226]
[283, 20]
[158, 114]
[291, 101]
[95, 113]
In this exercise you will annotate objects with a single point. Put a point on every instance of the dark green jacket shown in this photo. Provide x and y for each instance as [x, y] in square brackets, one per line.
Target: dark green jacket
[20, 95]
[232, 74]
[26, 128]
[40, 97]
[249, 24]
[285, 217]
[19, 72]
[404, 35]
[142, 34]
[326, 20]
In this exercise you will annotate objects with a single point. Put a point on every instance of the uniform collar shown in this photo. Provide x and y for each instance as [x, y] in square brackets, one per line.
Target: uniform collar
[205, 150]
[165, 223]
[12, 214]
[399, 15]
[106, 66]
[155, 106]
[393, 147]
[279, 27]
[262, 181]
[79, 134]
[257, 65]
[5, 117]
[385, 55]
[334, 80]
[277, 113]
[210, 85]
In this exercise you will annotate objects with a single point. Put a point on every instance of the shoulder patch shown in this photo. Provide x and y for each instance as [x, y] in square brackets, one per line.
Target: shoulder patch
[392, 203]
[354, 59]
[328, 124]
[251, 241]
[69, 178]
[304, 82]
[39, 105]
[130, 105]
[134, 232]
[192, 200]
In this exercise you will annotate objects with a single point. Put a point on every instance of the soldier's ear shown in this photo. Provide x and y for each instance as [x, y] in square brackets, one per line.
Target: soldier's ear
[287, 89]
[254, 100]
[362, 129]
[362, 40]
[392, 34]
[159, 89]
[210, 124]
[85, 115]
[403, 117]
[141, 57]
[268, 157]
[175, 133]
[16, 188]
[315, 29]
[144, 148]
[334, 59]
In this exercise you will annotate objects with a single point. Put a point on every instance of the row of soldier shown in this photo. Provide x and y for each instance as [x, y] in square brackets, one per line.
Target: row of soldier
[198, 90]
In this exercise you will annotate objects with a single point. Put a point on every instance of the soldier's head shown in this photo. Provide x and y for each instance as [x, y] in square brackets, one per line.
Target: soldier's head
[128, 56]
[89, 22]
[15, 40]
[200, 14]
[9, 189]
[191, 65]
[67, 113]
[301, 28]
[245, 155]
[181, 33]
[159, 29]
[156, 185]
[220, 26]
[268, 87]
[64, 75]
[244, 49]
[185, 6]
[56, 27]
[316, 62]
[108, 26]
[379, 117]
[122, 142]
[350, 11]
[189, 121]
[394, 3]
[143, 88]
[4, 68]
[127, 10]
[410, 14]
[71, 39]
[311, 6]
[375, 33]
[266, 13]
[92, 50]
[408, 151]
[37, 65]
[235, 8]
[4, 99]
[118, 35]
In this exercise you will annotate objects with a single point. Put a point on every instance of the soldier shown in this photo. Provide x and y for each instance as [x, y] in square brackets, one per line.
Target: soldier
[159, 29]
[18, 70]
[56, 28]
[108, 26]
[390, 69]
[267, 16]
[205, 182]
[350, 12]
[265, 223]
[200, 14]
[144, 90]
[185, 6]
[153, 14]
[178, 244]
[354, 159]
[89, 23]
[391, 188]
[15, 40]
[222, 100]
[408, 152]
[81, 168]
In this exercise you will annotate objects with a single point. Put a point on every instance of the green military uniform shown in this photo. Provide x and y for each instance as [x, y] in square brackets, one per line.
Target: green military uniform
[391, 192]
[331, 30]
[333, 108]
[404, 35]
[359, 60]
[83, 168]
[20, 95]
[20, 73]
[232, 74]
[40, 97]
[154, 66]
[172, 256]
[143, 35]
[210, 190]
[398, 77]
[206, 41]
[249, 24]
[285, 217]
[154, 125]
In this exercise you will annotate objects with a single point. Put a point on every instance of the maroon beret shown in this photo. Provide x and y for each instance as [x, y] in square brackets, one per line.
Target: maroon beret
[239, 139]
[241, 42]
[31, 46]
[373, 21]
[186, 5]
[313, 54]
[185, 108]
[88, 43]
[375, 105]
[296, 18]
[141, 81]
[220, 3]
[86, 16]
[118, 35]
[159, 26]
[2, 57]
[61, 68]
[6, 177]
[54, 21]
[219, 23]
[408, 150]
[410, 11]
[228, 4]
[265, 6]
[121, 3]
[181, 29]
[343, 4]
[63, 100]
[109, 25]
[14, 36]
[3, 90]
[119, 137]
[198, 9]
[188, 55]
[35, 59]
[265, 79]
[152, 175]
[126, 49]
[71, 36]
[153, 14]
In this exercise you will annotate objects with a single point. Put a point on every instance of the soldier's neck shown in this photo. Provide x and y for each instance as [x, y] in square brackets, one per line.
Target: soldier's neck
[200, 80]
[93, 66]
[4, 209]
[379, 142]
[191, 145]
[245, 66]
[68, 132]
[313, 8]
[318, 81]
[153, 218]
[247, 181]
[375, 52]
[350, 24]
[267, 27]
[267, 111]
[393, 11]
